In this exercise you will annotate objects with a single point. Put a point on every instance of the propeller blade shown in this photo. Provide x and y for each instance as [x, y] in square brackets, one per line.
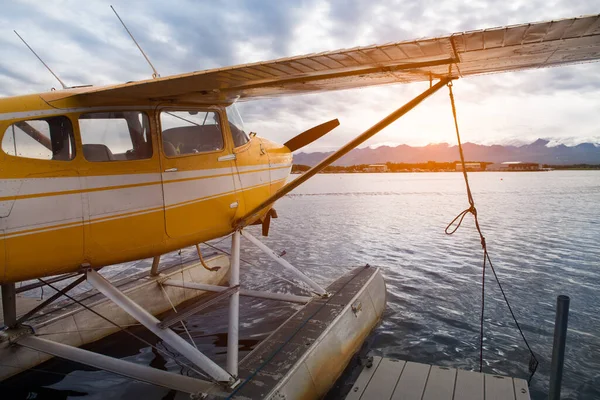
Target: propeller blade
[309, 136]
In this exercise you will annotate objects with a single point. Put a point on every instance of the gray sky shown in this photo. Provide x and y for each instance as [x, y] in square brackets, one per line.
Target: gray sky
[84, 43]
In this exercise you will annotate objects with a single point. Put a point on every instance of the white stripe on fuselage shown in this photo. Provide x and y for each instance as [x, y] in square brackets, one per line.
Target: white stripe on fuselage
[44, 213]
[41, 186]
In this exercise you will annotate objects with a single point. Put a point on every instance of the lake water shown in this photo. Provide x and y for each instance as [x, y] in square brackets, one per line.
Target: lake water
[543, 235]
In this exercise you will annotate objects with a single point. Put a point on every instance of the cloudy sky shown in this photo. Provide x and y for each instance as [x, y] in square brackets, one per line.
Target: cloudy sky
[85, 44]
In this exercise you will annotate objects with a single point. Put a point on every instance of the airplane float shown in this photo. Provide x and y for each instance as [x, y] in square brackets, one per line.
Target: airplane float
[94, 176]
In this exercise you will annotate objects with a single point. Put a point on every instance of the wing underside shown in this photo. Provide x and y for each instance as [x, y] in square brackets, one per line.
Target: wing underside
[511, 48]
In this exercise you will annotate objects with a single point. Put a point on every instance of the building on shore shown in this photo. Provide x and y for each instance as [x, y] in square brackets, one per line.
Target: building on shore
[470, 166]
[514, 166]
[376, 168]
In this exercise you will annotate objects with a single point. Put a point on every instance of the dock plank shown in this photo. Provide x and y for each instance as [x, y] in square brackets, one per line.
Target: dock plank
[499, 387]
[384, 380]
[363, 380]
[415, 381]
[469, 385]
[411, 384]
[440, 384]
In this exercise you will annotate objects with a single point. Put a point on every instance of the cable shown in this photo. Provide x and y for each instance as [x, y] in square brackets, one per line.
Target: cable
[174, 309]
[125, 330]
[253, 265]
[533, 362]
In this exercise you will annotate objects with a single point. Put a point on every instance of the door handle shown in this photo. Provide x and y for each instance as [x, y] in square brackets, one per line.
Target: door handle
[228, 157]
[171, 170]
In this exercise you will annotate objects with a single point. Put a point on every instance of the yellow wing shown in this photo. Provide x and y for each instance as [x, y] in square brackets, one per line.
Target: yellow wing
[517, 47]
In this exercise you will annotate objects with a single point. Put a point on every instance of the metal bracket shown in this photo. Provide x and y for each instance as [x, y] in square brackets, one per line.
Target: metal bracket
[356, 308]
[12, 335]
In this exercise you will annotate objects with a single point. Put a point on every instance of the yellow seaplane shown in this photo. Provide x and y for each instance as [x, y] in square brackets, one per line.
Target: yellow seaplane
[94, 176]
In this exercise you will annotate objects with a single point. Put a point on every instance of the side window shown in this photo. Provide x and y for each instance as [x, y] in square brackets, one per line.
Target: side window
[190, 132]
[236, 126]
[43, 139]
[115, 136]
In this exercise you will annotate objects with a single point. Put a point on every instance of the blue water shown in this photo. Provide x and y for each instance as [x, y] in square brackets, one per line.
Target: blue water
[543, 235]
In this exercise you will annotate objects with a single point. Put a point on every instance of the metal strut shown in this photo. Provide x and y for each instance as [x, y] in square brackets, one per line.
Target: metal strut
[152, 323]
[126, 368]
[291, 298]
[233, 333]
[297, 273]
[50, 300]
[196, 308]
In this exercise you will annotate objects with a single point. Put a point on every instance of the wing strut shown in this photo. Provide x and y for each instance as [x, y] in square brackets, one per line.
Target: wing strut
[244, 221]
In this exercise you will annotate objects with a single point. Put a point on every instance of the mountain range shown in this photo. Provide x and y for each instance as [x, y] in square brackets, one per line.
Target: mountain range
[537, 152]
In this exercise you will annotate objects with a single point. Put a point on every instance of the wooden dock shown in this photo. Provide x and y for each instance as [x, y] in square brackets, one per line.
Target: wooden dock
[401, 380]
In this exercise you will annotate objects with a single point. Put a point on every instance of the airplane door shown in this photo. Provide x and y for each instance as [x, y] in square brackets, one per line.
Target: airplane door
[252, 163]
[197, 173]
[123, 195]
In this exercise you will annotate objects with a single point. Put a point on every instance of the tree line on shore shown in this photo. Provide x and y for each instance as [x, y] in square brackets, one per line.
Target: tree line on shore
[430, 166]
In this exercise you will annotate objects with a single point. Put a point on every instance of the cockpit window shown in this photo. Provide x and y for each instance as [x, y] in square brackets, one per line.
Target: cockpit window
[115, 136]
[236, 125]
[43, 139]
[190, 132]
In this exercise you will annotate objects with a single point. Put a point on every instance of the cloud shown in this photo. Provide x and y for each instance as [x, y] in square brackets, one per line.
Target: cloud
[85, 44]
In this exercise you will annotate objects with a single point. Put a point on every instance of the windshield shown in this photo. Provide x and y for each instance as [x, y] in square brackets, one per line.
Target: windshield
[236, 125]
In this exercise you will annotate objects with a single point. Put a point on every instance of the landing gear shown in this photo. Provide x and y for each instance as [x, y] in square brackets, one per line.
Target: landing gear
[219, 378]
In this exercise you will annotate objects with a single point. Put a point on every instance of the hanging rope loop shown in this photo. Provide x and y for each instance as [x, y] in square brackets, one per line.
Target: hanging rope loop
[460, 218]
[453, 227]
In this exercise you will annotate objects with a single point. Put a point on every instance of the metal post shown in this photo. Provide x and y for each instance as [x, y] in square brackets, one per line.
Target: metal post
[155, 263]
[9, 304]
[140, 372]
[558, 348]
[234, 307]
[315, 286]
[150, 322]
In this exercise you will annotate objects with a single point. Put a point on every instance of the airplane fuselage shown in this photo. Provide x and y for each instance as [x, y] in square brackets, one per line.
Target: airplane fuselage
[99, 185]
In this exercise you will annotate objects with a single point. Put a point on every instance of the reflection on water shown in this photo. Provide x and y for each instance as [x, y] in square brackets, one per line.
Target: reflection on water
[542, 231]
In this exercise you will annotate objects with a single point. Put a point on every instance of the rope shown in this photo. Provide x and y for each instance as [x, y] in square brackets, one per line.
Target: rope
[533, 362]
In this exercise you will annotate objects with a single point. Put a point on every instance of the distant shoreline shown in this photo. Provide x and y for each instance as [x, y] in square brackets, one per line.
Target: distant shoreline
[436, 167]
